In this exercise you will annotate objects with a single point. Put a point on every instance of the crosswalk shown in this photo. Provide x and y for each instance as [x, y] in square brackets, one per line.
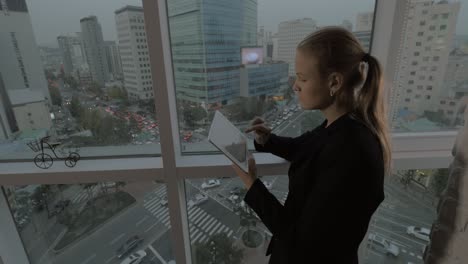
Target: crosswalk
[83, 194]
[201, 224]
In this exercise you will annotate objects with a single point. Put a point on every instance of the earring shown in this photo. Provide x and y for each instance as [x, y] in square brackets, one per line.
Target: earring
[332, 93]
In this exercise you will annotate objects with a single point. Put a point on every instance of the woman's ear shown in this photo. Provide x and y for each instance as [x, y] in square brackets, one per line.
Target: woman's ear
[335, 81]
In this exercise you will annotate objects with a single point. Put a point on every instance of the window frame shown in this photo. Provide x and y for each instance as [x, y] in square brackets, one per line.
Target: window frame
[422, 150]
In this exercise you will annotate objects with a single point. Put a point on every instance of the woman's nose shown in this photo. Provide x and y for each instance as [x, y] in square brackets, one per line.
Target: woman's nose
[295, 87]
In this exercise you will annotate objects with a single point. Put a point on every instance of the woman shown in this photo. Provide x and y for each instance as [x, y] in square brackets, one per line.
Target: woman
[336, 174]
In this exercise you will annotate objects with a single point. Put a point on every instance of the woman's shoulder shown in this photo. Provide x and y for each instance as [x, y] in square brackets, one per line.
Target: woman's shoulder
[360, 138]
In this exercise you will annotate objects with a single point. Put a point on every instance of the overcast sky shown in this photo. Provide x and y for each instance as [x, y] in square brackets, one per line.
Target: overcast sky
[51, 18]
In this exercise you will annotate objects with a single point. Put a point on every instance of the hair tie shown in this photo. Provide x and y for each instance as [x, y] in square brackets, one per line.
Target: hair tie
[366, 57]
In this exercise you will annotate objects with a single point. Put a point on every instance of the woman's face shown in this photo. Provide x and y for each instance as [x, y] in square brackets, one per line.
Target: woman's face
[312, 92]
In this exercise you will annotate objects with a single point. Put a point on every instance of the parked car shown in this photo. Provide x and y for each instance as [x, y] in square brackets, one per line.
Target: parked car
[233, 198]
[419, 232]
[135, 258]
[199, 198]
[268, 184]
[128, 246]
[210, 184]
[163, 201]
[382, 245]
[235, 190]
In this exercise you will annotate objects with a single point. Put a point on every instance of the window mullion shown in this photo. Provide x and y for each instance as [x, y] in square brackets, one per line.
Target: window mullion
[157, 27]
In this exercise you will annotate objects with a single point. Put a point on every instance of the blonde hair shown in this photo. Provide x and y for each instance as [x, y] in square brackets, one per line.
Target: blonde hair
[337, 50]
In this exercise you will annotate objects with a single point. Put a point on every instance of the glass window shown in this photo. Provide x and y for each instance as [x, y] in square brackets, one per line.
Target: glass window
[409, 206]
[105, 222]
[210, 73]
[439, 56]
[72, 84]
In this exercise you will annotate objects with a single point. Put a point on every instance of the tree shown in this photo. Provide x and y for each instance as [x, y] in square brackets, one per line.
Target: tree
[75, 107]
[55, 95]
[50, 75]
[66, 218]
[407, 177]
[437, 117]
[133, 125]
[119, 185]
[70, 80]
[40, 198]
[95, 88]
[439, 181]
[218, 249]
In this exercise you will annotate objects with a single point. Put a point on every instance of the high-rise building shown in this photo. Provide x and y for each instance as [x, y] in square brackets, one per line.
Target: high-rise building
[206, 46]
[133, 50]
[364, 38]
[71, 50]
[347, 25]
[113, 59]
[30, 109]
[363, 31]
[364, 21]
[290, 34]
[7, 118]
[20, 63]
[264, 40]
[94, 48]
[426, 42]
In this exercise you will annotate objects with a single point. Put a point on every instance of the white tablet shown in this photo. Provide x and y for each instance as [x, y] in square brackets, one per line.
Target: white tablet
[229, 140]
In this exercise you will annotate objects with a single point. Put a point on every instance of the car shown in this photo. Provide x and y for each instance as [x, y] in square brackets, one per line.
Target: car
[163, 201]
[210, 184]
[199, 198]
[235, 190]
[135, 258]
[285, 118]
[233, 198]
[383, 245]
[128, 246]
[419, 232]
[268, 184]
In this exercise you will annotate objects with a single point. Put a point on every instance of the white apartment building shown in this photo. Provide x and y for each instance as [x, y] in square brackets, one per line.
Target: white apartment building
[364, 21]
[290, 33]
[134, 54]
[426, 41]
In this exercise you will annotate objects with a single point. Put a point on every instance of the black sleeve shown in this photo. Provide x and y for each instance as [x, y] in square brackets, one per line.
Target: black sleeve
[332, 201]
[283, 147]
[266, 206]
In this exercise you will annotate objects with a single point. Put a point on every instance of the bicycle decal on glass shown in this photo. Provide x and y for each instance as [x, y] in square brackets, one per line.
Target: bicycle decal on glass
[44, 160]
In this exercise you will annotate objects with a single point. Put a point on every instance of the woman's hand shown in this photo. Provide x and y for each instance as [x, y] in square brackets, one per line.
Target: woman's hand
[262, 132]
[247, 178]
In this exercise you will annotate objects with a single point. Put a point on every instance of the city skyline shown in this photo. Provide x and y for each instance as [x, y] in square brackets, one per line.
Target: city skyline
[48, 24]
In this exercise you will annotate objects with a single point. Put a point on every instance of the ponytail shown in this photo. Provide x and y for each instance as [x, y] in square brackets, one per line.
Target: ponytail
[370, 107]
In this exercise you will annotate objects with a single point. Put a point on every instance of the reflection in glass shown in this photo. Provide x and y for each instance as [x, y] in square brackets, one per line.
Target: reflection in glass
[107, 222]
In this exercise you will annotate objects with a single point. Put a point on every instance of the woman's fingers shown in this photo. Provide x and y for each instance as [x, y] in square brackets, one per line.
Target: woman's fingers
[252, 166]
[260, 128]
[257, 120]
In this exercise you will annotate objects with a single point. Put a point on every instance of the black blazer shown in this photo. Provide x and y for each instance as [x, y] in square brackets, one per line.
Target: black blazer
[336, 179]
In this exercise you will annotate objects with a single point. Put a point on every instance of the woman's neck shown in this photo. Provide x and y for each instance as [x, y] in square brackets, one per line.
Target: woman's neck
[332, 113]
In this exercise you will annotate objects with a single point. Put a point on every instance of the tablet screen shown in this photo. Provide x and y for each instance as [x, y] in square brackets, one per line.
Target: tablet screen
[229, 140]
